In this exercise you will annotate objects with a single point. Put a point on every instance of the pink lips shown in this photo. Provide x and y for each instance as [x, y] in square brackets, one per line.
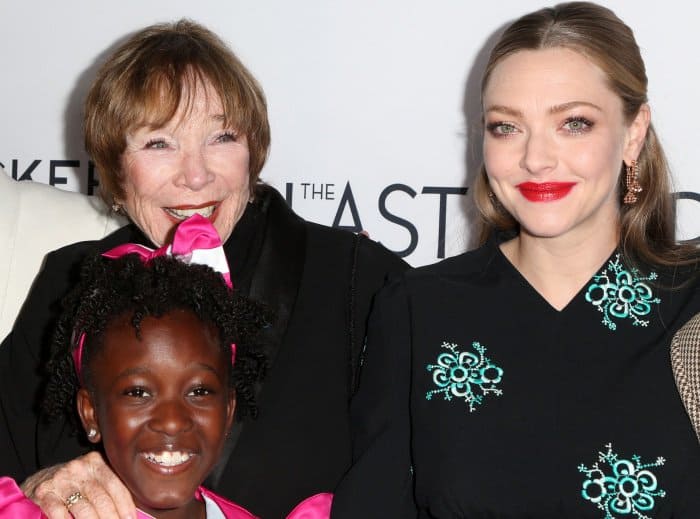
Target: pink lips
[545, 191]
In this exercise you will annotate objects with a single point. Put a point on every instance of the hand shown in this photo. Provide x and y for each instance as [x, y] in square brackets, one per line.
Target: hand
[104, 495]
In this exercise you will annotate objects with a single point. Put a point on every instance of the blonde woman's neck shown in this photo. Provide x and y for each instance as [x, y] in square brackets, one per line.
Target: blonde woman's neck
[557, 268]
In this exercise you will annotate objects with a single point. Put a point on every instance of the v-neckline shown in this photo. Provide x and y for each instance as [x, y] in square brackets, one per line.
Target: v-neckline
[515, 273]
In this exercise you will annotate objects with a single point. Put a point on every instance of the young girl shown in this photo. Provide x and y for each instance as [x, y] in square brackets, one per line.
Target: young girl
[155, 354]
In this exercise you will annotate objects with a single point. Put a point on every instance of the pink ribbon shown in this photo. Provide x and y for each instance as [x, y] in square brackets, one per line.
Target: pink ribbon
[78, 355]
[14, 504]
[195, 242]
[315, 507]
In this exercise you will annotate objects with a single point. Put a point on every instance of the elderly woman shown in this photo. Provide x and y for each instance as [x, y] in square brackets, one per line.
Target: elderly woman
[532, 377]
[176, 125]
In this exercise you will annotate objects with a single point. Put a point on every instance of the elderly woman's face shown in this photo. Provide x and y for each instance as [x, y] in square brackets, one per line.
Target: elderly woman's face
[194, 164]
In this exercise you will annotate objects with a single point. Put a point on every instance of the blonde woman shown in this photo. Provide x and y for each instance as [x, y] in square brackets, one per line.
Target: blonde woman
[532, 377]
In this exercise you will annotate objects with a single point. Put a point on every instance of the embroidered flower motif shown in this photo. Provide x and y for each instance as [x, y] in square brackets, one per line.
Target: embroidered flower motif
[629, 489]
[621, 294]
[465, 375]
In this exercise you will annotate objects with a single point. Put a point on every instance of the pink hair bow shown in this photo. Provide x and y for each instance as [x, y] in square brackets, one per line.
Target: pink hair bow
[195, 242]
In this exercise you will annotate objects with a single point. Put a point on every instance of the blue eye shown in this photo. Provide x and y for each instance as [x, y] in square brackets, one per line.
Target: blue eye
[156, 144]
[578, 124]
[501, 129]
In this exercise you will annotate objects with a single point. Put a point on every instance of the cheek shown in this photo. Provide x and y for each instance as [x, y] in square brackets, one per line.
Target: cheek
[499, 161]
[601, 162]
[119, 428]
[235, 170]
[139, 184]
[213, 424]
[145, 175]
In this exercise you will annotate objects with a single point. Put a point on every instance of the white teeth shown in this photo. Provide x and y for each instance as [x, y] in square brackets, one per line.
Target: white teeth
[186, 213]
[168, 458]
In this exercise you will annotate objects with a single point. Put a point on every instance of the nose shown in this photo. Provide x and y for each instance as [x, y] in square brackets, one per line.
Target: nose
[194, 173]
[171, 417]
[539, 155]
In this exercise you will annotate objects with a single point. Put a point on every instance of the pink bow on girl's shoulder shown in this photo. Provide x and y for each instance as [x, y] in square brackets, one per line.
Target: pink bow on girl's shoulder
[315, 507]
[13, 502]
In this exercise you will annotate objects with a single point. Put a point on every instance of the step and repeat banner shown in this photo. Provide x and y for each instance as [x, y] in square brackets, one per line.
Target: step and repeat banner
[374, 105]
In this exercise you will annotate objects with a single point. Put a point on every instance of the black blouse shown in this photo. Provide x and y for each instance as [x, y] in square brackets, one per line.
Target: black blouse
[498, 405]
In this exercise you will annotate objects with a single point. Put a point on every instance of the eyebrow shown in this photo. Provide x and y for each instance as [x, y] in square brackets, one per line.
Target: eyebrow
[573, 104]
[513, 112]
[131, 371]
[504, 110]
[141, 370]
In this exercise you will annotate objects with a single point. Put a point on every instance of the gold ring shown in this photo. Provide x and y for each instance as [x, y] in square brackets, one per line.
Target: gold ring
[73, 498]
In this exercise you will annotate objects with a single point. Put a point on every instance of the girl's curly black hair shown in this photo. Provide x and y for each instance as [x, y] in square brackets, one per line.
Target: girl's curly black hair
[111, 288]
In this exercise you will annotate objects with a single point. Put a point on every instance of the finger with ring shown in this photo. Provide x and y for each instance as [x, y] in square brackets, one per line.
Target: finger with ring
[73, 499]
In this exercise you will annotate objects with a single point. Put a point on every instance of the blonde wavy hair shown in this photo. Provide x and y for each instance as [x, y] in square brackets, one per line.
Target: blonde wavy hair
[647, 227]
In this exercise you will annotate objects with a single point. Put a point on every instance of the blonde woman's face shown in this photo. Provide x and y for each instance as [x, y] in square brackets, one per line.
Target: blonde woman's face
[555, 142]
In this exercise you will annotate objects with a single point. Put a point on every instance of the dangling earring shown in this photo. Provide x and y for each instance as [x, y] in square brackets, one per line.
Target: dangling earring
[632, 183]
[495, 202]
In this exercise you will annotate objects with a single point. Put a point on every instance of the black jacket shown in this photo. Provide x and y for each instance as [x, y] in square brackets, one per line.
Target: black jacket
[319, 283]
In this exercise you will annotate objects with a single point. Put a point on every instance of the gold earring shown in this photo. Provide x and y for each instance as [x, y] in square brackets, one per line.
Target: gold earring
[632, 182]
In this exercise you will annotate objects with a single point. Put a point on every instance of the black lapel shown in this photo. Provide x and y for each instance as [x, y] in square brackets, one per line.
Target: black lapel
[280, 265]
[275, 283]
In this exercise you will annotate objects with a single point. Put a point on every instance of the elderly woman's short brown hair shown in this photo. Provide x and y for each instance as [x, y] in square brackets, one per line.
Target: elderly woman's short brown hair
[143, 82]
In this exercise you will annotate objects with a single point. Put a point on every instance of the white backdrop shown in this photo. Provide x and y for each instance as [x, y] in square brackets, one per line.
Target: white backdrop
[378, 96]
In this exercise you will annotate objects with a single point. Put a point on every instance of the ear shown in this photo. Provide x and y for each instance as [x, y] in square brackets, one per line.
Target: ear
[636, 133]
[230, 410]
[86, 410]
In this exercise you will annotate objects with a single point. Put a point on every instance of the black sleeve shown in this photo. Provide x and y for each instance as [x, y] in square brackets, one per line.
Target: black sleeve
[380, 482]
[21, 355]
[28, 442]
[373, 266]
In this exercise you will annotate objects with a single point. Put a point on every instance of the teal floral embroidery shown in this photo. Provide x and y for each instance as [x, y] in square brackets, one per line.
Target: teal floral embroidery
[465, 375]
[621, 294]
[629, 488]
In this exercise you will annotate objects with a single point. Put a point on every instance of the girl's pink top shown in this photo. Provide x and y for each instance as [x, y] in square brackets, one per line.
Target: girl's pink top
[13, 504]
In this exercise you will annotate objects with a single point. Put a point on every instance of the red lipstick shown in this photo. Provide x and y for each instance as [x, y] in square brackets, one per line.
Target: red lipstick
[545, 191]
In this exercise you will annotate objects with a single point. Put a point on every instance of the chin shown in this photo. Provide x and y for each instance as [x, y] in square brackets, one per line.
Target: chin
[545, 231]
[164, 500]
[164, 493]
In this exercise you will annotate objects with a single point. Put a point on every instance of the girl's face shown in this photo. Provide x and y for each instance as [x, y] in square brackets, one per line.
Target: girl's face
[555, 142]
[161, 405]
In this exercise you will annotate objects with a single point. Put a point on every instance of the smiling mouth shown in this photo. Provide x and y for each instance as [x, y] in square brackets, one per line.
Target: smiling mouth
[168, 458]
[181, 214]
[545, 191]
